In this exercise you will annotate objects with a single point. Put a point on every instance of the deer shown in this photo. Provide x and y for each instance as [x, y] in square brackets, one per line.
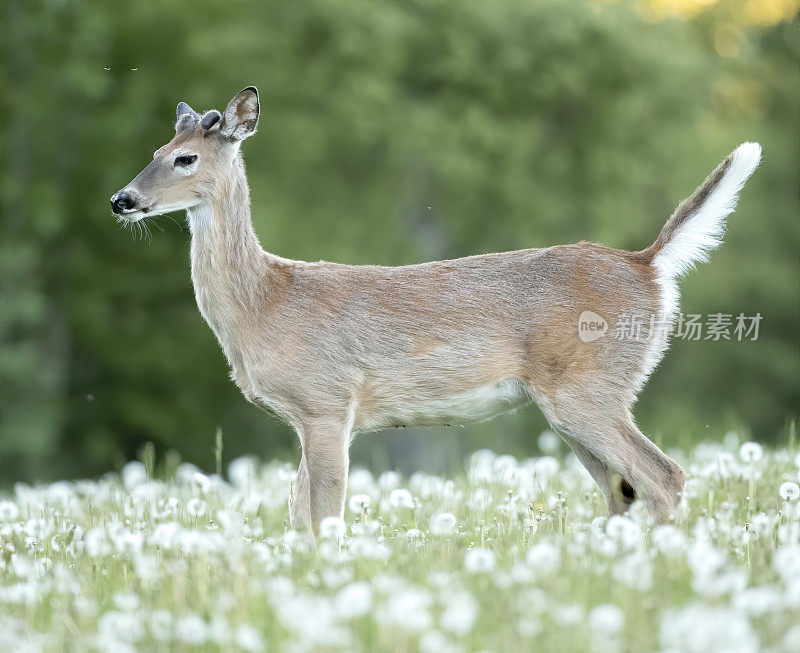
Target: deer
[337, 350]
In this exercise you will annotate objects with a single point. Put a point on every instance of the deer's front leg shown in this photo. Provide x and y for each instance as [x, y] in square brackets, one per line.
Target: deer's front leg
[326, 445]
[299, 499]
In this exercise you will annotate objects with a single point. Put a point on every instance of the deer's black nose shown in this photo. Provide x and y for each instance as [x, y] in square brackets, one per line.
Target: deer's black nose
[122, 201]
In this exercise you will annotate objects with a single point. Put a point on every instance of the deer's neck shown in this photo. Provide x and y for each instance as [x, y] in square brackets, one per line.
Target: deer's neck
[230, 270]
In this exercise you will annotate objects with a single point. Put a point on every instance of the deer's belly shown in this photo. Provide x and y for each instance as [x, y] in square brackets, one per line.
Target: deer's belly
[475, 405]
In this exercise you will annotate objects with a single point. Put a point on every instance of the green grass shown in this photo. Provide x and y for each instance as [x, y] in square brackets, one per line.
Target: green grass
[527, 561]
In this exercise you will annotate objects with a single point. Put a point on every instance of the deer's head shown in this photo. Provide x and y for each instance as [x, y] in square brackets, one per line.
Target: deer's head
[185, 171]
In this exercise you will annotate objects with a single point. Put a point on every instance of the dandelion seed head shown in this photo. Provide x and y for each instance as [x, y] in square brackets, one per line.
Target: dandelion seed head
[242, 472]
[196, 507]
[414, 534]
[789, 491]
[750, 452]
[479, 561]
[353, 600]
[360, 503]
[123, 626]
[546, 468]
[549, 442]
[459, 614]
[544, 558]
[8, 511]
[480, 499]
[361, 481]
[401, 498]
[191, 629]
[433, 641]
[369, 548]
[624, 531]
[202, 482]
[443, 524]
[249, 639]
[408, 609]
[388, 481]
[126, 601]
[133, 473]
[607, 620]
[332, 528]
[669, 540]
[336, 576]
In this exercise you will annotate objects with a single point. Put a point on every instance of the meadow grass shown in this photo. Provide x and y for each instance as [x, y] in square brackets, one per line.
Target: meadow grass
[510, 556]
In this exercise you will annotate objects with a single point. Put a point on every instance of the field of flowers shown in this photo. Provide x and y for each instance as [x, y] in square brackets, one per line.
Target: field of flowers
[513, 556]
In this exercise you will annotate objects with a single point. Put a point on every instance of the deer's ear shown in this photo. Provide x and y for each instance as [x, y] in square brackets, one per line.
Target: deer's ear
[240, 118]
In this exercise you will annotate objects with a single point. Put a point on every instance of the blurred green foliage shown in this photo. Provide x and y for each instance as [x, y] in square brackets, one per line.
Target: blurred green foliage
[391, 133]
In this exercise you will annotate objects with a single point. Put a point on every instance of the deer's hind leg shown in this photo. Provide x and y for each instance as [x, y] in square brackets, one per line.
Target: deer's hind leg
[636, 468]
[610, 483]
[625, 463]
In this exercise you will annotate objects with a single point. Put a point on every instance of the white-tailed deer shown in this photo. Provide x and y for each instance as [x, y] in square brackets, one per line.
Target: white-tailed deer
[337, 349]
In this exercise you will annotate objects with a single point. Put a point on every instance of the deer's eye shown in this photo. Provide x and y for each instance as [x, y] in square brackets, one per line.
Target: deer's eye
[186, 160]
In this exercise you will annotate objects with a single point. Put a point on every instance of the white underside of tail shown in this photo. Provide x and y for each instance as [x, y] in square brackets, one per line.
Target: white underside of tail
[702, 232]
[699, 235]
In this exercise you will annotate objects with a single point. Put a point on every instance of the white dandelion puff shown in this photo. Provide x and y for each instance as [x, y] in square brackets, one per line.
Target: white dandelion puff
[202, 482]
[133, 473]
[568, 614]
[249, 639]
[669, 540]
[125, 601]
[443, 524]
[480, 499]
[389, 480]
[191, 629]
[401, 498]
[332, 528]
[606, 620]
[360, 503]
[196, 507]
[546, 467]
[544, 558]
[361, 481]
[750, 452]
[479, 561]
[549, 442]
[789, 491]
[242, 472]
[433, 641]
[460, 614]
[415, 535]
[406, 608]
[8, 511]
[353, 600]
[123, 626]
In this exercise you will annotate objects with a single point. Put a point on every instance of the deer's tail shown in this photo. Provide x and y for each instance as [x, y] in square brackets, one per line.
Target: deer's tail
[698, 224]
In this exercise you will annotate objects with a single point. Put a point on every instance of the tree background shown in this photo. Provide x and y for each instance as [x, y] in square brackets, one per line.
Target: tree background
[391, 133]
